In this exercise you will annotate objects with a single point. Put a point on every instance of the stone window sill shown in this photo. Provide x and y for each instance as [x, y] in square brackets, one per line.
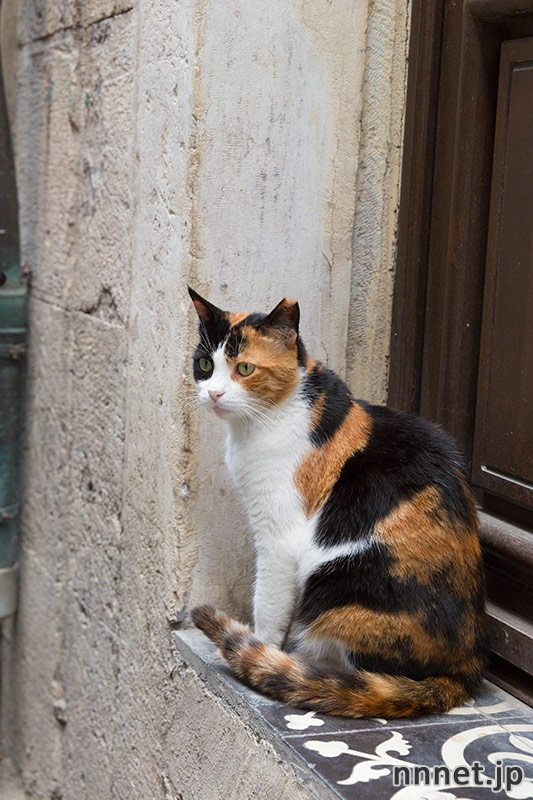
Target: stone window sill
[334, 757]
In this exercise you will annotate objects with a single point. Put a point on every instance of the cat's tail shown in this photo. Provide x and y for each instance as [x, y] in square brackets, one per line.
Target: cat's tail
[358, 694]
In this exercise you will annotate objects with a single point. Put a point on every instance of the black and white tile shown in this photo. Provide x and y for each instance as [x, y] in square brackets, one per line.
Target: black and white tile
[356, 758]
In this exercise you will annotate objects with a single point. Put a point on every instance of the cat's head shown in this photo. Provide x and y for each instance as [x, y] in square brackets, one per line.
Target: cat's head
[246, 363]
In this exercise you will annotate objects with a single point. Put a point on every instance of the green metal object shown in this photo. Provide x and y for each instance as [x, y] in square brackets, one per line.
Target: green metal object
[12, 352]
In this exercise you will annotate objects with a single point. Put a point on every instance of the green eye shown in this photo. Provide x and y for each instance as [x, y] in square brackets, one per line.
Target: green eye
[245, 369]
[205, 364]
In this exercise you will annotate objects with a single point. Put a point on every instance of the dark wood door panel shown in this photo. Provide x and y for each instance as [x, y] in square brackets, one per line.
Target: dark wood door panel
[460, 207]
[503, 453]
[444, 208]
[498, 9]
[461, 342]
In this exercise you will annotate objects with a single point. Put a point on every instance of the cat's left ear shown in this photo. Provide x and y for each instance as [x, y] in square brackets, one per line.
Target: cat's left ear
[285, 317]
[208, 313]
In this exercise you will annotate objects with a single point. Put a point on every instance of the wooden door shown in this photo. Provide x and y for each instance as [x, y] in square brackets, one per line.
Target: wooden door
[462, 336]
[503, 432]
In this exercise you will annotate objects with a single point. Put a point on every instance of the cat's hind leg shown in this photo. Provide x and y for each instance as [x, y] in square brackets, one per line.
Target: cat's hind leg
[323, 652]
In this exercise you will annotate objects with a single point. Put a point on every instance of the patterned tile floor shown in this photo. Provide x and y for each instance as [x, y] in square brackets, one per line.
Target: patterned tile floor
[356, 759]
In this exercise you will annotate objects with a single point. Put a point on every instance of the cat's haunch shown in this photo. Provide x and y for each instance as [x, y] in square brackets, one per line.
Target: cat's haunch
[368, 558]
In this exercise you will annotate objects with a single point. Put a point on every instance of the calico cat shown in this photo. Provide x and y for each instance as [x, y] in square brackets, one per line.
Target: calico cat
[365, 532]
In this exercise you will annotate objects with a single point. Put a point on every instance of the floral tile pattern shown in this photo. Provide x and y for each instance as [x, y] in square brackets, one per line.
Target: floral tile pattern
[360, 764]
[356, 759]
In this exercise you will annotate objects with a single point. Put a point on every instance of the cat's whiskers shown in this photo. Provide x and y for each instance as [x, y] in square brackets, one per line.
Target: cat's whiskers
[258, 415]
[190, 402]
[187, 392]
[247, 413]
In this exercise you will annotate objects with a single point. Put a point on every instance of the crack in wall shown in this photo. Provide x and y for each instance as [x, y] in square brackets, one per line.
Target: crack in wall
[75, 25]
[104, 307]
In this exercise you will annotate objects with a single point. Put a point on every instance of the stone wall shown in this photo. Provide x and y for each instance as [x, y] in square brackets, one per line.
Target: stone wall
[223, 144]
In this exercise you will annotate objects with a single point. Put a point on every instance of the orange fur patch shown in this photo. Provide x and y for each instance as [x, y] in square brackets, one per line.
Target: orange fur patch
[276, 367]
[396, 696]
[234, 319]
[317, 410]
[419, 527]
[373, 632]
[319, 471]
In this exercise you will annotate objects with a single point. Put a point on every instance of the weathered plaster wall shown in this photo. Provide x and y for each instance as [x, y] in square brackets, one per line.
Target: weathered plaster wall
[378, 195]
[221, 144]
[278, 106]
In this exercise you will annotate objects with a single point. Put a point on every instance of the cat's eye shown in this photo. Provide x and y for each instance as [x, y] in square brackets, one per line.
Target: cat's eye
[245, 369]
[205, 364]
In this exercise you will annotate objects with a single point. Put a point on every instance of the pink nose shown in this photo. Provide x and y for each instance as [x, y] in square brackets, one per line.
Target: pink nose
[215, 395]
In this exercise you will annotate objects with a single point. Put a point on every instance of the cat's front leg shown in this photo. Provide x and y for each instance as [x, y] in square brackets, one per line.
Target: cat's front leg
[274, 597]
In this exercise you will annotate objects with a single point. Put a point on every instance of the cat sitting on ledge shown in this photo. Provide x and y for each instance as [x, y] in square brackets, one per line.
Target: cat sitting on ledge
[364, 527]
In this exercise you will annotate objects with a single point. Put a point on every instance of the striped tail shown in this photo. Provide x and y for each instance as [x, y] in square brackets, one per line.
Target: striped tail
[358, 694]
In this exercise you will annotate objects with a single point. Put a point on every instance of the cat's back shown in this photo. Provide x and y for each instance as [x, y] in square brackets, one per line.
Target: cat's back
[407, 439]
[405, 460]
[367, 461]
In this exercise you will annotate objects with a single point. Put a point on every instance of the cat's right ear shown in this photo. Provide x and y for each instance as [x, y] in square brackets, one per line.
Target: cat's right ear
[208, 313]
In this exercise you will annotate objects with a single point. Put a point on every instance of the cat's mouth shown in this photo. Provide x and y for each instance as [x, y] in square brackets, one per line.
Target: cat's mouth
[221, 412]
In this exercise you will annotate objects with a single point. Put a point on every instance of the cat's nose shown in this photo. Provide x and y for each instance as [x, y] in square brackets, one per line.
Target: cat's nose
[215, 395]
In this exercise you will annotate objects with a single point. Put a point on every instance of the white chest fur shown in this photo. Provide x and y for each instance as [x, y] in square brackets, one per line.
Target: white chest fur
[262, 459]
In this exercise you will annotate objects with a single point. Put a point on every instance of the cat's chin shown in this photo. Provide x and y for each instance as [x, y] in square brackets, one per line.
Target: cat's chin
[223, 413]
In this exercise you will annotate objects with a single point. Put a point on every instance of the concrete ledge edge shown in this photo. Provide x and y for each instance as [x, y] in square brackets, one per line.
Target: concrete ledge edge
[200, 654]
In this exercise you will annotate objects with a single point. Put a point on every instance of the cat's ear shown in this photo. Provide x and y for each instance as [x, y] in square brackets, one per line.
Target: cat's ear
[285, 317]
[208, 313]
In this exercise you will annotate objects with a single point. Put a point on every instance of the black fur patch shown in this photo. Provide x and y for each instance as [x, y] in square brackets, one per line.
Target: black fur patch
[301, 352]
[236, 342]
[365, 579]
[471, 682]
[255, 319]
[404, 455]
[339, 676]
[337, 401]
[404, 664]
[277, 684]
[211, 337]
[234, 642]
